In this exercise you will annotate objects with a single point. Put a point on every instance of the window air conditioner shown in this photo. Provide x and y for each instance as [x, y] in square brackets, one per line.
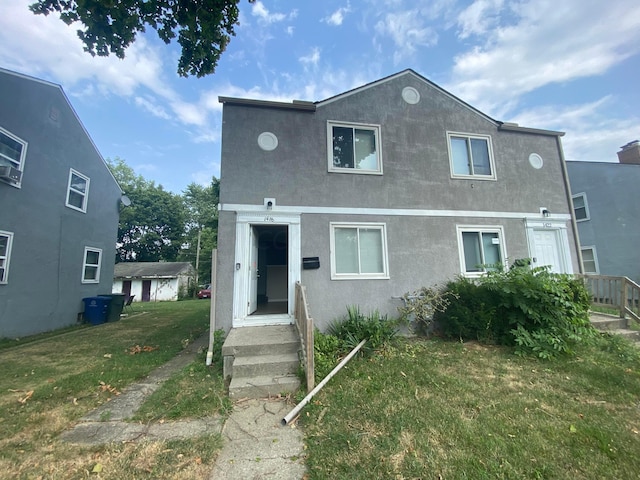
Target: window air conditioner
[10, 173]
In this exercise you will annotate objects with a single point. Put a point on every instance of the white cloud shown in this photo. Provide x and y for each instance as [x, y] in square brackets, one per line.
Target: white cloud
[408, 30]
[592, 133]
[264, 15]
[312, 59]
[479, 17]
[149, 104]
[337, 17]
[549, 42]
[47, 48]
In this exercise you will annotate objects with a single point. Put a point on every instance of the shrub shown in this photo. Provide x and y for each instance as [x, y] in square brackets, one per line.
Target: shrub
[355, 327]
[473, 314]
[327, 351]
[421, 306]
[536, 311]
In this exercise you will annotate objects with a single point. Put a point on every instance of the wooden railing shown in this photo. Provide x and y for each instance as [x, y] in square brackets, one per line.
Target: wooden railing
[618, 293]
[304, 323]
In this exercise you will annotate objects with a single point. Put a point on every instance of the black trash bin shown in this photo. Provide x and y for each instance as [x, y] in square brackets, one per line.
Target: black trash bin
[95, 309]
[115, 305]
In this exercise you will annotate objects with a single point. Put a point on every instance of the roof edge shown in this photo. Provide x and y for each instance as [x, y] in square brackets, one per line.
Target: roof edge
[73, 110]
[294, 105]
[514, 127]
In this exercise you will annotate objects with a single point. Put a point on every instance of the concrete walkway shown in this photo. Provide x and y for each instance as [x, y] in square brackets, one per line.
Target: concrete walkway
[255, 445]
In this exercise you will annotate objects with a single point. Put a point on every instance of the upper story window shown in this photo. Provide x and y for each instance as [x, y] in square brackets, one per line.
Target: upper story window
[581, 207]
[354, 148]
[77, 191]
[358, 251]
[481, 249]
[91, 265]
[13, 151]
[471, 156]
[590, 260]
[6, 238]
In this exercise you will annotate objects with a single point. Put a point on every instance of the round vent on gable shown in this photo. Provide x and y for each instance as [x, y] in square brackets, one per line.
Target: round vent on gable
[536, 161]
[410, 95]
[267, 141]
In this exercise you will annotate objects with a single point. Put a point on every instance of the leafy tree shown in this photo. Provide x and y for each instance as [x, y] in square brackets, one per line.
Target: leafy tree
[201, 204]
[203, 27]
[152, 227]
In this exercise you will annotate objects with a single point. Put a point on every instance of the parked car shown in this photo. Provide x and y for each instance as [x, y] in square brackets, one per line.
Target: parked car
[205, 292]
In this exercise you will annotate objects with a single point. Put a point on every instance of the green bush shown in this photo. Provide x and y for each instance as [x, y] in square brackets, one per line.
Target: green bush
[473, 315]
[355, 327]
[328, 350]
[534, 310]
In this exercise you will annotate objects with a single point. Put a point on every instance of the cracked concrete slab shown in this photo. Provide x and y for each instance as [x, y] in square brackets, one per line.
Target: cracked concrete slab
[257, 446]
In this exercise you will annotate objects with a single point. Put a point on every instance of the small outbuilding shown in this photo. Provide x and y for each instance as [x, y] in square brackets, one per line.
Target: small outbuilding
[153, 281]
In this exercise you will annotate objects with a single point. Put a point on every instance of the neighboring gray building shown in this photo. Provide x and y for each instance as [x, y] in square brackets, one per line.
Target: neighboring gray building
[58, 209]
[606, 200]
[153, 281]
[376, 192]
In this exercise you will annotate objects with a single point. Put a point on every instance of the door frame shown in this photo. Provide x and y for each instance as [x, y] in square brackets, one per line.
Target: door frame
[559, 227]
[245, 221]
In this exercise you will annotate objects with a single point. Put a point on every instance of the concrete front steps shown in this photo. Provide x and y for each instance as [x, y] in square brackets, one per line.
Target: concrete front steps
[262, 361]
[616, 325]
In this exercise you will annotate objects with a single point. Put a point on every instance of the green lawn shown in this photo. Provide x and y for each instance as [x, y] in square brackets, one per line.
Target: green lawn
[49, 381]
[434, 409]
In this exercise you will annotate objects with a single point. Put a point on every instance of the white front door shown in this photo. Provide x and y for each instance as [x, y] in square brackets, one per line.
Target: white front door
[246, 286]
[549, 243]
[546, 250]
[253, 272]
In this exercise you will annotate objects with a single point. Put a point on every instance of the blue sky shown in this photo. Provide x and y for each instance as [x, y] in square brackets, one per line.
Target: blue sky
[570, 65]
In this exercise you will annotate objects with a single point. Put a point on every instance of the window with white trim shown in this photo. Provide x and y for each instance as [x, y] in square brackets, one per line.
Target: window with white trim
[590, 260]
[470, 156]
[91, 265]
[6, 238]
[481, 249]
[358, 251]
[354, 148]
[77, 191]
[581, 207]
[13, 151]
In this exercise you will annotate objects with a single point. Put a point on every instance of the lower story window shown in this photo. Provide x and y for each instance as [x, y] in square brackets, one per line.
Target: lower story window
[91, 266]
[358, 251]
[590, 260]
[481, 249]
[5, 253]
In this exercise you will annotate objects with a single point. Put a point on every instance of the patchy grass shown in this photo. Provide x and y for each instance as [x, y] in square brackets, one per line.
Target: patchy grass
[434, 409]
[48, 383]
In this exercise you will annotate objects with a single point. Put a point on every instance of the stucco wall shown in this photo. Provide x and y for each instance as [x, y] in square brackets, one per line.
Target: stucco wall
[423, 250]
[44, 289]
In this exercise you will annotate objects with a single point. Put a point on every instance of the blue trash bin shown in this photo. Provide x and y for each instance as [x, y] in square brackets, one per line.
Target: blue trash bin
[95, 309]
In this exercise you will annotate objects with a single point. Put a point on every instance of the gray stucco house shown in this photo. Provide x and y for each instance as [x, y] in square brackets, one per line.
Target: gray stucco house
[376, 192]
[606, 200]
[153, 281]
[58, 209]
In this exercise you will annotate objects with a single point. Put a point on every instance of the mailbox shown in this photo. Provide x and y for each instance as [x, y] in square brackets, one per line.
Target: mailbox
[310, 263]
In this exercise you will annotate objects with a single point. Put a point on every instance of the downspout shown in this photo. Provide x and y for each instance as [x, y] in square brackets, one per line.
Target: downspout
[574, 225]
[212, 315]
